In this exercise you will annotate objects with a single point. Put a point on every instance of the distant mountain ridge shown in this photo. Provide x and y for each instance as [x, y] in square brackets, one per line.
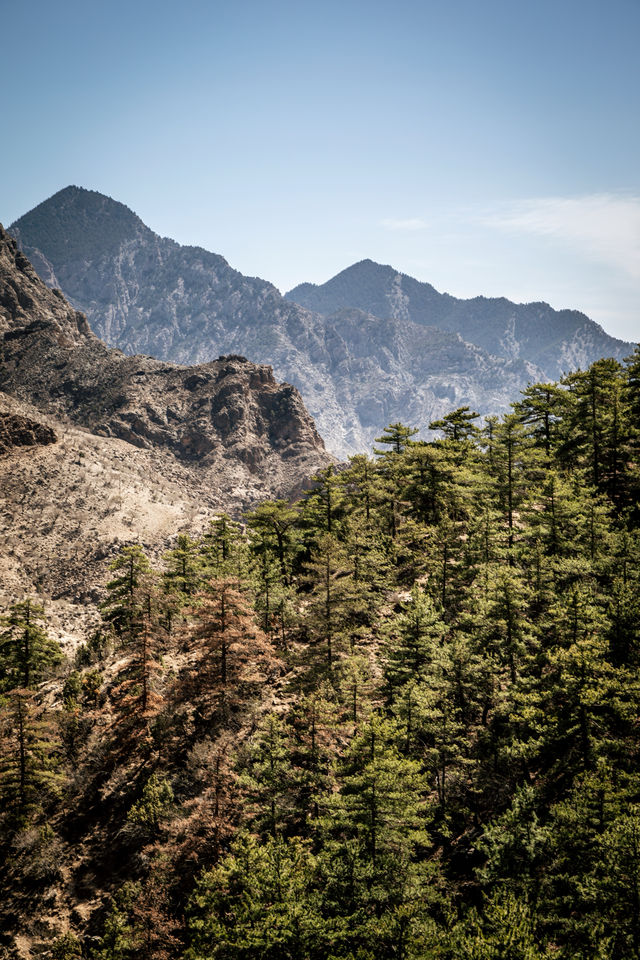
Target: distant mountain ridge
[557, 341]
[362, 349]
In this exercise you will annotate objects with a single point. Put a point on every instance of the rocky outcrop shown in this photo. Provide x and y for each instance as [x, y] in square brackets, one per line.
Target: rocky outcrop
[243, 432]
[17, 431]
[555, 341]
[356, 370]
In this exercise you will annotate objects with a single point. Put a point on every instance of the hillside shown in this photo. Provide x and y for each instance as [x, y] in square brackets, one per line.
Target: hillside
[68, 505]
[98, 449]
[229, 419]
[396, 718]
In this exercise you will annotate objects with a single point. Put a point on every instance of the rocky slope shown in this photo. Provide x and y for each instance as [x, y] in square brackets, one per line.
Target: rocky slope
[144, 293]
[230, 419]
[392, 370]
[100, 448]
[67, 506]
[556, 341]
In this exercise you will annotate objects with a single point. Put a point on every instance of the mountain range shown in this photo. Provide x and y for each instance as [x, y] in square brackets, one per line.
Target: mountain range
[370, 347]
[556, 341]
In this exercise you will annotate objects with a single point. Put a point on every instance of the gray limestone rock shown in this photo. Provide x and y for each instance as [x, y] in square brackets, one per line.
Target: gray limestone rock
[552, 341]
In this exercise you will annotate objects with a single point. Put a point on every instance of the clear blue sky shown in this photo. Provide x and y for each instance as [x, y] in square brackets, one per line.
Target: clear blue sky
[486, 147]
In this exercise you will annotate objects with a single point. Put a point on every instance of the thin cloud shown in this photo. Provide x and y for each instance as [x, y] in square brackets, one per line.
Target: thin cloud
[409, 225]
[605, 227]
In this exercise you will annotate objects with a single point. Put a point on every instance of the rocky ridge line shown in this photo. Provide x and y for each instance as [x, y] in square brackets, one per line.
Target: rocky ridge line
[555, 341]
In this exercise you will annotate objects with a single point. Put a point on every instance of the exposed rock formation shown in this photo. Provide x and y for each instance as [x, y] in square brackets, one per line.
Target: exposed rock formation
[397, 370]
[17, 431]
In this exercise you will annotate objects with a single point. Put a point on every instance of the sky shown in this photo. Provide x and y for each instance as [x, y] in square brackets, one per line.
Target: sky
[487, 148]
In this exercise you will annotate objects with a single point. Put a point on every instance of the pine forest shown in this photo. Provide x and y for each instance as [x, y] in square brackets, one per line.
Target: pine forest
[398, 718]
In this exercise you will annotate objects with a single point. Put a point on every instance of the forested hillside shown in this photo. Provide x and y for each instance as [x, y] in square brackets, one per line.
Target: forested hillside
[398, 718]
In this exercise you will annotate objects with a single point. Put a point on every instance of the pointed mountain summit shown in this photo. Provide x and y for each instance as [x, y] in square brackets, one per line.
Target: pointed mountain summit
[369, 286]
[76, 223]
[106, 261]
[557, 341]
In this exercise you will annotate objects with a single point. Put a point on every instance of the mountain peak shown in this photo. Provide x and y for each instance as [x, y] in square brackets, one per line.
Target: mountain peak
[75, 224]
[373, 287]
[555, 341]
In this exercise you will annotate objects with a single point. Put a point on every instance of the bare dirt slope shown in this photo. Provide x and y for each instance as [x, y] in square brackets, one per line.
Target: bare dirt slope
[68, 506]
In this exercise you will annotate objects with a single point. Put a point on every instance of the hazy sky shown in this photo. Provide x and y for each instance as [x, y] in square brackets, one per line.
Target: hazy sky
[486, 147]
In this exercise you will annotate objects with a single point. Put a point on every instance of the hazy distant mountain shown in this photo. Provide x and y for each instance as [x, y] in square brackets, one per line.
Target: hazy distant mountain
[356, 372]
[555, 340]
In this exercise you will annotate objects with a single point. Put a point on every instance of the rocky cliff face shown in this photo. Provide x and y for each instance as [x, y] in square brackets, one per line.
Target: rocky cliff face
[555, 341]
[392, 370]
[143, 293]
